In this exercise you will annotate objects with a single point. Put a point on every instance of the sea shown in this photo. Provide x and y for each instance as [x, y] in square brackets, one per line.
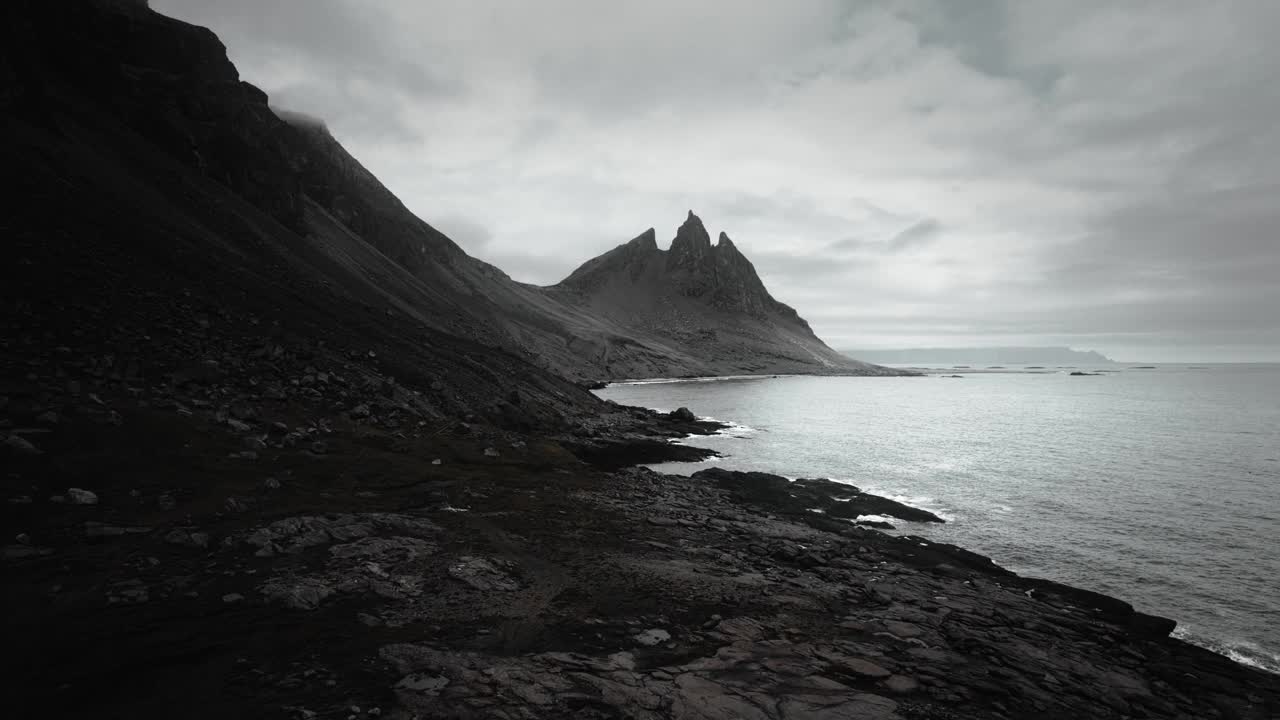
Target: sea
[1156, 484]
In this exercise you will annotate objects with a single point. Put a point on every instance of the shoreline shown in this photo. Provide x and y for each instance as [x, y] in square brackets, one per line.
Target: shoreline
[1222, 647]
[512, 579]
[1239, 650]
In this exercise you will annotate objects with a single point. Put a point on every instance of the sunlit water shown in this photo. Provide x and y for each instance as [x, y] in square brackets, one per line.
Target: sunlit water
[1161, 487]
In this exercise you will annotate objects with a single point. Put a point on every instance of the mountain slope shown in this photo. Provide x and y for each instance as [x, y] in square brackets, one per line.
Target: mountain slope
[135, 131]
[170, 218]
[703, 302]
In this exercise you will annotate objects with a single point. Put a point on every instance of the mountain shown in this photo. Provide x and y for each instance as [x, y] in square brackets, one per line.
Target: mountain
[695, 309]
[984, 356]
[149, 162]
[170, 220]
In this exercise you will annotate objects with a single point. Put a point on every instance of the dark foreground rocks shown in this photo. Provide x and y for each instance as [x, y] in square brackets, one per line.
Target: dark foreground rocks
[421, 576]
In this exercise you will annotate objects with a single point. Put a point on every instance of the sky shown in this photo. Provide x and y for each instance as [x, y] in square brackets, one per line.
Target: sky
[915, 173]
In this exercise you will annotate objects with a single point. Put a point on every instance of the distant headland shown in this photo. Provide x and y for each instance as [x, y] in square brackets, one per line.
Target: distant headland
[982, 356]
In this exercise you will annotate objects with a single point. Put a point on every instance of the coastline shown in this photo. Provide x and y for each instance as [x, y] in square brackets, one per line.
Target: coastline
[513, 579]
[1244, 652]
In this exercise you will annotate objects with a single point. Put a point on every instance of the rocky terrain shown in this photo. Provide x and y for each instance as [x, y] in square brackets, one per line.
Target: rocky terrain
[274, 447]
[169, 555]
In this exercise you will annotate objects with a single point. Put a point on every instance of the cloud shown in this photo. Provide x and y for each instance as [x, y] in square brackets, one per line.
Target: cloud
[918, 233]
[899, 170]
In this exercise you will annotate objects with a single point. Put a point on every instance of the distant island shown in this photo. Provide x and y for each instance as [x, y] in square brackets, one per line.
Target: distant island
[982, 356]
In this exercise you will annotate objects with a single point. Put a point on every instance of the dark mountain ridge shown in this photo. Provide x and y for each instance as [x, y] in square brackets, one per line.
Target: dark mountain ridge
[155, 106]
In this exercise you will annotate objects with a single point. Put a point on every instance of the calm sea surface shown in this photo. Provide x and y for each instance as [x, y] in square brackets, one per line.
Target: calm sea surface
[1160, 486]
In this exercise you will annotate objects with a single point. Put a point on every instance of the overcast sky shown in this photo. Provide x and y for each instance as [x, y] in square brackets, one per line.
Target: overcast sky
[919, 173]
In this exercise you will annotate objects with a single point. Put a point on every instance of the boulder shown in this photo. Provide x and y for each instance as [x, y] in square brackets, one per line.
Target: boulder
[78, 496]
[683, 414]
[16, 445]
[652, 636]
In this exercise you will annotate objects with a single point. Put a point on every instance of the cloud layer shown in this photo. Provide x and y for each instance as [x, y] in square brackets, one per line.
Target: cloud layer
[922, 172]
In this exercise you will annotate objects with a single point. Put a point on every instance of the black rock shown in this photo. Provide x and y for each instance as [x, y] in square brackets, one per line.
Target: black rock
[683, 414]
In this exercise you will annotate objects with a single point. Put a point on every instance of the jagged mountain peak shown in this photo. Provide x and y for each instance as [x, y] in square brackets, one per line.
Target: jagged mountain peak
[691, 246]
[647, 240]
[720, 275]
[704, 297]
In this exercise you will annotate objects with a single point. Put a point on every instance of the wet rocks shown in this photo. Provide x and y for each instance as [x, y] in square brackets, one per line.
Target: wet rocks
[801, 497]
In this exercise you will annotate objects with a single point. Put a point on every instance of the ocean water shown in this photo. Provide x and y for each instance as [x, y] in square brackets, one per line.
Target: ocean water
[1158, 486]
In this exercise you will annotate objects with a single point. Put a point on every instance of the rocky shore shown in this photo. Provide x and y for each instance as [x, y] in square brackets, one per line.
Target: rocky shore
[158, 564]
[272, 447]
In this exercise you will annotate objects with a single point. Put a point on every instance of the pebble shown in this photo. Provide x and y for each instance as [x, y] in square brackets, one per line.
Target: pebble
[20, 446]
[901, 684]
[652, 636]
[79, 496]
